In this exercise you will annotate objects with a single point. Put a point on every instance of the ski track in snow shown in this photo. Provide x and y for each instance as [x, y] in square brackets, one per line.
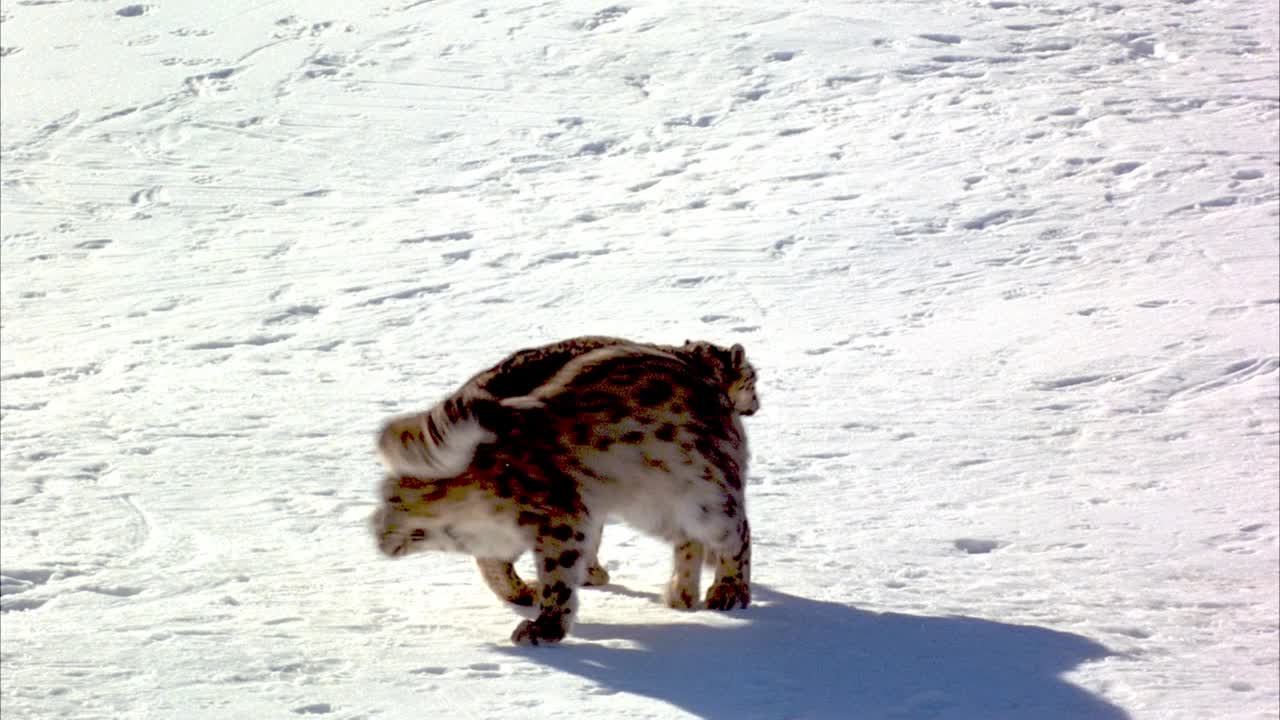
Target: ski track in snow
[1009, 272]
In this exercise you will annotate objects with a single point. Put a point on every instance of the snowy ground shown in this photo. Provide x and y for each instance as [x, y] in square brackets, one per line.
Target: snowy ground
[1009, 271]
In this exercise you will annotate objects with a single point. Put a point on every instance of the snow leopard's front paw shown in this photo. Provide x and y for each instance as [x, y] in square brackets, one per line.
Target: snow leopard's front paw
[547, 629]
[728, 593]
[596, 576]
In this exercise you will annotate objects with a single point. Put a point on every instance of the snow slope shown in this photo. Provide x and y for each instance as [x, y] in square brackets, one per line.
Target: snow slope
[1010, 272]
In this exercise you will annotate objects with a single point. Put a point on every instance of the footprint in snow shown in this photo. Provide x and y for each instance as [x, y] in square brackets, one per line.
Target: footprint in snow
[603, 17]
[293, 314]
[972, 546]
[943, 38]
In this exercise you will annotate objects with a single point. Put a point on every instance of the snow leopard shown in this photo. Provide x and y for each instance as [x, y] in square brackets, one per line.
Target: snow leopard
[523, 371]
[651, 434]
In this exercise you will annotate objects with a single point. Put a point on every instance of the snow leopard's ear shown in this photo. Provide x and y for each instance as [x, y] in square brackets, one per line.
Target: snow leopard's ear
[737, 355]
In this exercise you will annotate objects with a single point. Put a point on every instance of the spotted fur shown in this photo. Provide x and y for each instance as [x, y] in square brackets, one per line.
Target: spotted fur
[421, 443]
[645, 433]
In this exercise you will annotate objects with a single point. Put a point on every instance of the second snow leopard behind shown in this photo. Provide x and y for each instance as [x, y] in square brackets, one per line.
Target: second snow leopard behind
[524, 371]
[647, 435]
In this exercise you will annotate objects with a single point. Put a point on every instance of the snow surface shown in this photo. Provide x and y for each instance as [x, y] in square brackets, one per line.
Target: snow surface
[1009, 270]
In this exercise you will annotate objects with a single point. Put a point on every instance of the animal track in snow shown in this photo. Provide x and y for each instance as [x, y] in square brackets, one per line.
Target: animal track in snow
[701, 121]
[225, 344]
[997, 217]
[972, 546]
[326, 66]
[407, 294]
[485, 669]
[210, 82]
[1248, 540]
[149, 196]
[293, 314]
[599, 147]
[1232, 374]
[113, 590]
[688, 282]
[835, 81]
[1127, 631]
[603, 17]
[825, 455]
[442, 237]
[563, 255]
[188, 32]
[59, 374]
[943, 38]
[1224, 201]
[24, 406]
[1071, 382]
[1229, 311]
[719, 318]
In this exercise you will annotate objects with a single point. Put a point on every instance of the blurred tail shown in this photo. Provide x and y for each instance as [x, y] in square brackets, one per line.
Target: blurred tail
[441, 442]
[438, 443]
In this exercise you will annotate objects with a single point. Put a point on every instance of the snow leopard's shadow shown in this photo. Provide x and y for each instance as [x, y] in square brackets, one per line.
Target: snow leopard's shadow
[616, 589]
[791, 657]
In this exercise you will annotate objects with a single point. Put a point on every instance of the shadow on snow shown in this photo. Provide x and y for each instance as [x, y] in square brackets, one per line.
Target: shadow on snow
[792, 657]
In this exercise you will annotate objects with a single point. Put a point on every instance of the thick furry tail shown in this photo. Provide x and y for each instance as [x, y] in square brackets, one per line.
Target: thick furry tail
[592, 367]
[439, 443]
